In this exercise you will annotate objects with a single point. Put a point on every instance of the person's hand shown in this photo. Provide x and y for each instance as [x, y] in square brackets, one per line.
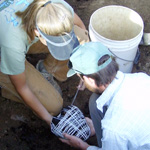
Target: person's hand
[90, 123]
[81, 85]
[74, 141]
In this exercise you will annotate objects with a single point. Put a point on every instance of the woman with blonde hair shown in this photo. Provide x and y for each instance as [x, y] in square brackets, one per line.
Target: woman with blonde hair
[59, 29]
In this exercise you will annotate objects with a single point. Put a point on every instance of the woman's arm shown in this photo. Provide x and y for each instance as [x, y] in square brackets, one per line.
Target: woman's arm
[78, 21]
[19, 81]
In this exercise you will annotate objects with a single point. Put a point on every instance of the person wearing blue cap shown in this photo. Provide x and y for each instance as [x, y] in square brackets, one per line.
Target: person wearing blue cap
[33, 27]
[119, 106]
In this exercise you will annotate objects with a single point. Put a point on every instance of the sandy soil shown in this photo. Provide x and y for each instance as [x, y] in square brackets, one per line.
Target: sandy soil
[20, 129]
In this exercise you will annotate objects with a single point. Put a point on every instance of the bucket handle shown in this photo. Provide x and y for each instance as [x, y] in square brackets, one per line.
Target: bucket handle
[137, 57]
[136, 60]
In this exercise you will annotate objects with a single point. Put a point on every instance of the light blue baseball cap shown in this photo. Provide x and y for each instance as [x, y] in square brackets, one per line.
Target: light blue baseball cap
[84, 58]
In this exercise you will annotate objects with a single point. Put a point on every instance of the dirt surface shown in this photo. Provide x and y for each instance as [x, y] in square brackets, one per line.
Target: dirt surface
[20, 129]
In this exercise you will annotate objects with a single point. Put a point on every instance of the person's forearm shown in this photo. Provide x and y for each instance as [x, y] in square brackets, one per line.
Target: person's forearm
[19, 82]
[30, 99]
[78, 21]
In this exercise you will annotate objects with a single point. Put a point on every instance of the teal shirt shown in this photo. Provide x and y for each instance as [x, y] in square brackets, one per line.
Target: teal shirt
[13, 39]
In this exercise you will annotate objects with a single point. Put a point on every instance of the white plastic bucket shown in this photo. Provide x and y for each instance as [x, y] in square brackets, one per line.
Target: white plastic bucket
[120, 29]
